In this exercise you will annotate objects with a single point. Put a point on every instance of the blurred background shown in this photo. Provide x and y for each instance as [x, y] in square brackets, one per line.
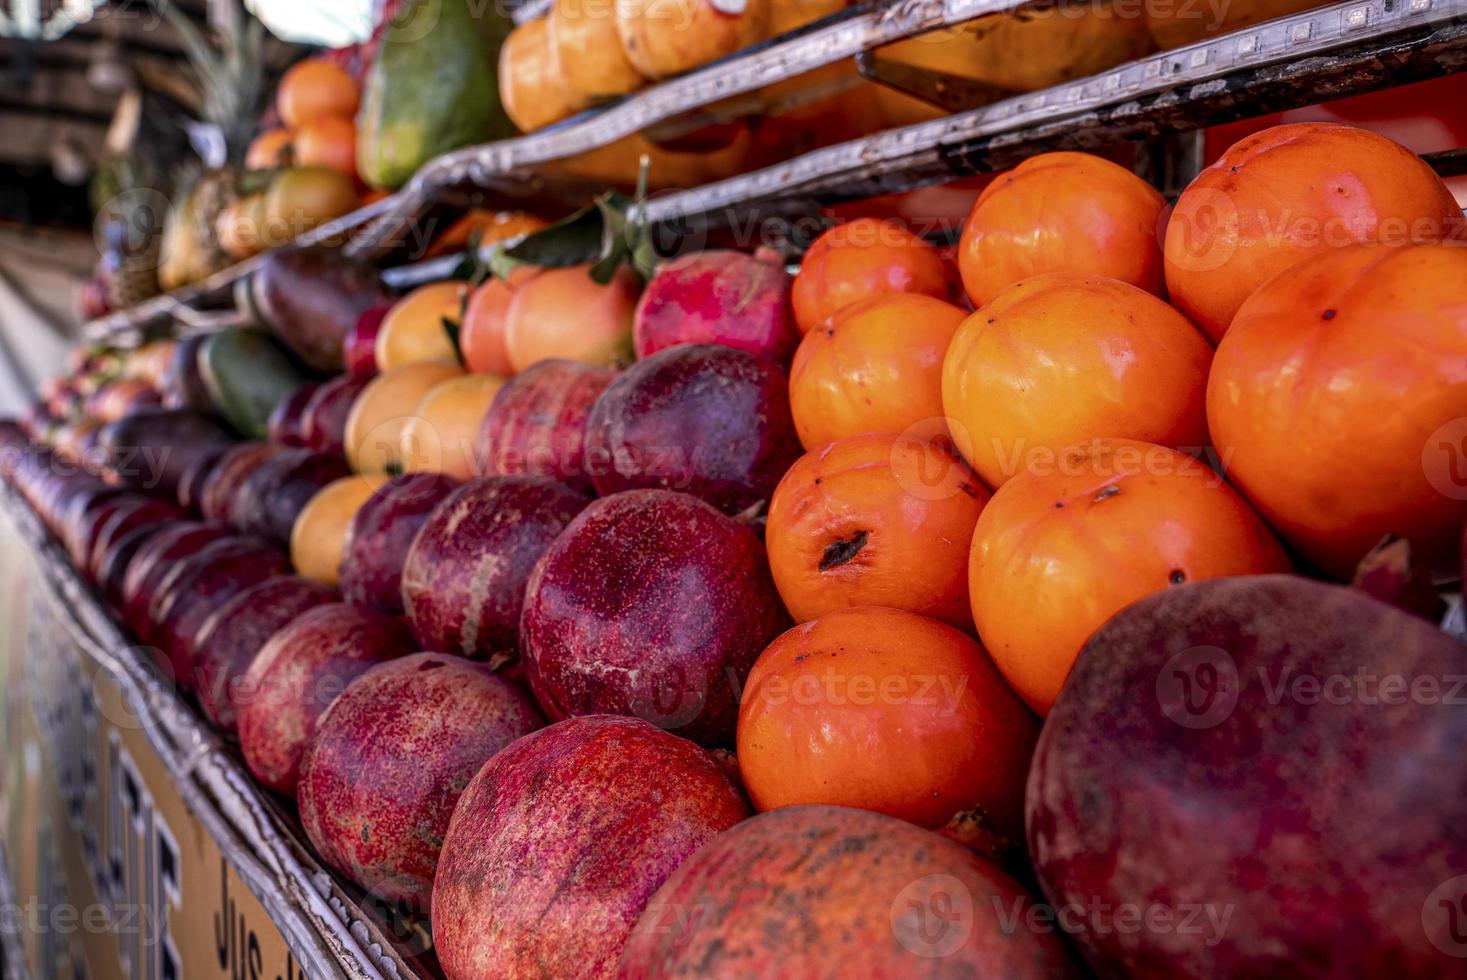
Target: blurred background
[103, 106]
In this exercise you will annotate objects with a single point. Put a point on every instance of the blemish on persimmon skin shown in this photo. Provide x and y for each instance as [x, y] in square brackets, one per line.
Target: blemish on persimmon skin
[1327, 315]
[1106, 493]
[1177, 577]
[841, 551]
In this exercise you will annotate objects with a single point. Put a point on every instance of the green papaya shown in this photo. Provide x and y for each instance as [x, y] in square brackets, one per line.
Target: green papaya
[247, 374]
[433, 88]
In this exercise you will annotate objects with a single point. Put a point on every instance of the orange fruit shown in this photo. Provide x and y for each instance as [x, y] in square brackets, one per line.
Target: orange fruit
[413, 329]
[1285, 194]
[318, 537]
[1062, 212]
[879, 520]
[565, 313]
[884, 710]
[374, 426]
[530, 88]
[1337, 401]
[441, 435]
[271, 149]
[861, 259]
[314, 88]
[876, 366]
[485, 320]
[1062, 358]
[328, 141]
[491, 227]
[1059, 550]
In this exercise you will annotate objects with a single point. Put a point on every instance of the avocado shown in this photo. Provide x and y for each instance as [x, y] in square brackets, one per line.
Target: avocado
[247, 374]
[433, 88]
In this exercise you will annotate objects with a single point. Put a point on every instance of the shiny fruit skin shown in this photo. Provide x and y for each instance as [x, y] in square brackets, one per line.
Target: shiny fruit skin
[1289, 192]
[318, 538]
[485, 320]
[329, 410]
[718, 297]
[875, 520]
[653, 604]
[704, 419]
[391, 757]
[885, 710]
[413, 329]
[327, 141]
[314, 88]
[876, 366]
[864, 258]
[1337, 400]
[575, 824]
[1061, 549]
[564, 313]
[441, 436]
[1061, 358]
[866, 892]
[1062, 212]
[383, 409]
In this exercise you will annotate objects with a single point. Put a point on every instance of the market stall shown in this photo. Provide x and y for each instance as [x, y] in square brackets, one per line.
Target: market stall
[718, 488]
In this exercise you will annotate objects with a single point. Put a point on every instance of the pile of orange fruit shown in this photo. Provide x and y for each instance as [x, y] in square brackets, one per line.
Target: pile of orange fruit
[317, 104]
[1096, 398]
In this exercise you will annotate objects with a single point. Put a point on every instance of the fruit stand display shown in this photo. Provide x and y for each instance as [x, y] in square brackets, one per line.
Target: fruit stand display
[807, 506]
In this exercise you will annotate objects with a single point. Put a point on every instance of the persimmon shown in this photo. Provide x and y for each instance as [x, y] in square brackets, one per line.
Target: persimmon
[889, 711]
[485, 318]
[876, 366]
[1062, 548]
[318, 537]
[440, 436]
[373, 439]
[271, 149]
[529, 84]
[327, 141]
[490, 227]
[1337, 401]
[881, 520]
[1289, 192]
[414, 329]
[314, 88]
[1062, 212]
[662, 38]
[565, 313]
[861, 259]
[586, 53]
[1061, 358]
